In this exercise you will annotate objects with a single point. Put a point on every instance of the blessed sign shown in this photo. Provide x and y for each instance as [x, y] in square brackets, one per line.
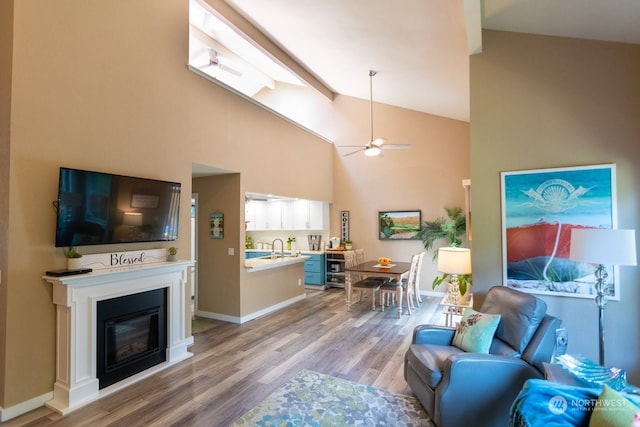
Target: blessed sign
[123, 259]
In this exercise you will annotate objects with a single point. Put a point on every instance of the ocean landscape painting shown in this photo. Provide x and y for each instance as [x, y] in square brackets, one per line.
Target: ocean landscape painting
[539, 210]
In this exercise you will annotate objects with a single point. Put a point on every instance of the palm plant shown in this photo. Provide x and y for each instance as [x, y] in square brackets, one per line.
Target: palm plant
[450, 229]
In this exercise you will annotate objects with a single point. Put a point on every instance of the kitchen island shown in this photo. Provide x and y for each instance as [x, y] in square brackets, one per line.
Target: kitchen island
[270, 285]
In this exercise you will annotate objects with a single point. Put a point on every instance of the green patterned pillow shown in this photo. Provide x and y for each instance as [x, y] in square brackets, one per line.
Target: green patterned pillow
[475, 331]
[612, 410]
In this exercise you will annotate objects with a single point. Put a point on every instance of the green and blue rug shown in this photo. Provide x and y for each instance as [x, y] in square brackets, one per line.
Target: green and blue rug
[314, 399]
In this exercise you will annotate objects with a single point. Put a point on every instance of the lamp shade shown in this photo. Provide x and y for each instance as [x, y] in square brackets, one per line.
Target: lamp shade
[454, 260]
[132, 219]
[603, 246]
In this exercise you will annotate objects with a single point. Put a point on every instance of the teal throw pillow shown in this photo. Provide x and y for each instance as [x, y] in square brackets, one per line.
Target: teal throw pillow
[475, 331]
[613, 410]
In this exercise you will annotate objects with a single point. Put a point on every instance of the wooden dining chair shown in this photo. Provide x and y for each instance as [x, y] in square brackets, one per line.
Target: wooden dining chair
[360, 259]
[416, 282]
[389, 289]
[362, 286]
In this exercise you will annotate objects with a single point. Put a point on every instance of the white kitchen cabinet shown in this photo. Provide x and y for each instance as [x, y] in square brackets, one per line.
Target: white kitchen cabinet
[310, 215]
[279, 215]
[256, 213]
[301, 215]
[318, 215]
[287, 215]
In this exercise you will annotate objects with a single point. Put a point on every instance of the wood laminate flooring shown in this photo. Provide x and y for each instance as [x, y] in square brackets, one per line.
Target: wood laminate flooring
[235, 367]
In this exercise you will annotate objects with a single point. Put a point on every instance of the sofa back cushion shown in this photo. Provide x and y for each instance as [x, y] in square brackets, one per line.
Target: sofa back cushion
[520, 315]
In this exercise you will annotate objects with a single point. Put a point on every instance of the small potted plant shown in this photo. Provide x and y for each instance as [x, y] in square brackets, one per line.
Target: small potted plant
[173, 254]
[348, 245]
[74, 258]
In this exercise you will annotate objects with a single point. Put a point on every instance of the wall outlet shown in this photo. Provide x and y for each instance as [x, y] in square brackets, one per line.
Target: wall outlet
[562, 340]
[299, 282]
[231, 251]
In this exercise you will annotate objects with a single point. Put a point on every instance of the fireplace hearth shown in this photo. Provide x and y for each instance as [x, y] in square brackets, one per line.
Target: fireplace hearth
[131, 335]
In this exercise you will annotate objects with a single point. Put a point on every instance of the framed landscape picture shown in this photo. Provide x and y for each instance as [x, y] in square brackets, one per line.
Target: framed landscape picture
[539, 210]
[399, 225]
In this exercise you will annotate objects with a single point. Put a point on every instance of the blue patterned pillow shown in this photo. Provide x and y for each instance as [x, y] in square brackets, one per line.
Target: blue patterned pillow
[475, 331]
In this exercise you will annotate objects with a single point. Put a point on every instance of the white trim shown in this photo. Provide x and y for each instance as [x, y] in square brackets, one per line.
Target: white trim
[23, 407]
[252, 316]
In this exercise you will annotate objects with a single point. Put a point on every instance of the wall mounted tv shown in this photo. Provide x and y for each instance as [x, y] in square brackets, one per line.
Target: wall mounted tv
[96, 208]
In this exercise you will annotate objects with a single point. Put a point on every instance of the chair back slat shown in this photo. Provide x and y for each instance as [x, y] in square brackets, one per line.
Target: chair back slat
[349, 259]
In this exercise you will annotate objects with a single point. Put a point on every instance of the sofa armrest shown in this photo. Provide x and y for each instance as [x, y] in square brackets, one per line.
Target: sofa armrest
[493, 381]
[433, 334]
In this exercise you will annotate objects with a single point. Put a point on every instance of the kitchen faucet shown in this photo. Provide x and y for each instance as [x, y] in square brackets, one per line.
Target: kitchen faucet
[273, 246]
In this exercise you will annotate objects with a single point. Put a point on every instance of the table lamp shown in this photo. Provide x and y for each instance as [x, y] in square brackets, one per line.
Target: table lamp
[133, 220]
[603, 246]
[454, 261]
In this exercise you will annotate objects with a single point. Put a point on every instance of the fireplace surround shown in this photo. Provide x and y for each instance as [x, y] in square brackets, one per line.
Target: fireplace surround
[77, 299]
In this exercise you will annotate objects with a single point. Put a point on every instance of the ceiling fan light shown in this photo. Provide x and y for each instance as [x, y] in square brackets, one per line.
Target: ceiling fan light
[372, 151]
[378, 142]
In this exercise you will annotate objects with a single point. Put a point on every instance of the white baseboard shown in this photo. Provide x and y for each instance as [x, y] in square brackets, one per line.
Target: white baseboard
[251, 316]
[24, 407]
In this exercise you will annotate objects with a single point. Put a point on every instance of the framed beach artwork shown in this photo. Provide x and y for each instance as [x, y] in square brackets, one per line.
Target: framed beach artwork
[539, 210]
[216, 225]
[399, 225]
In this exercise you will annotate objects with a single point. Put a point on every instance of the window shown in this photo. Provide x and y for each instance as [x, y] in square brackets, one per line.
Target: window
[224, 56]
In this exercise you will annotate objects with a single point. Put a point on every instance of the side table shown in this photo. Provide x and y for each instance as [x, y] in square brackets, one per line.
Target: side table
[449, 309]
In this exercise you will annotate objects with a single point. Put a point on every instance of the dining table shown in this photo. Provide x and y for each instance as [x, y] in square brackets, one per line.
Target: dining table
[395, 270]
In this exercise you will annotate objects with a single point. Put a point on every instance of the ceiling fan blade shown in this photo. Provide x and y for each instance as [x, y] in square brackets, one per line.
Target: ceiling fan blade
[397, 146]
[350, 146]
[354, 152]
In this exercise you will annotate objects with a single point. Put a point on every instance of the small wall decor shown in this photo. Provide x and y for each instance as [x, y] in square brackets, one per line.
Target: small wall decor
[399, 225]
[216, 221]
[344, 225]
[539, 210]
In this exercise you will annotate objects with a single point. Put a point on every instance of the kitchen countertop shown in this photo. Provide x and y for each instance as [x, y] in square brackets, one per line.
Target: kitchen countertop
[258, 264]
[286, 251]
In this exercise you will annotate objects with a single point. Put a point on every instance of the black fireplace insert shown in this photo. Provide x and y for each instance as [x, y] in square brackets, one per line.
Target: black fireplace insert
[131, 335]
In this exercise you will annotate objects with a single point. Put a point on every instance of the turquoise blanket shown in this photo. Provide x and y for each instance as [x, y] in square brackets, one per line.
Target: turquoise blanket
[544, 403]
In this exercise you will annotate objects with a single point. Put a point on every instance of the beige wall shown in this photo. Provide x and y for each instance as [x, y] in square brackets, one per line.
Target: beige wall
[427, 177]
[541, 102]
[6, 50]
[100, 87]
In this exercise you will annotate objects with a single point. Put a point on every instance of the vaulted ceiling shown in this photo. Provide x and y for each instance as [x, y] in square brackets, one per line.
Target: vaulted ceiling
[420, 48]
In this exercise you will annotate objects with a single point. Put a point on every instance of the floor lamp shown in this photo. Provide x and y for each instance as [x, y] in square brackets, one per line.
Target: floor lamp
[603, 246]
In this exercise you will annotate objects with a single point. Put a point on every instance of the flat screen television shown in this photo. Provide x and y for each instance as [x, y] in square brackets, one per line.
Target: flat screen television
[97, 208]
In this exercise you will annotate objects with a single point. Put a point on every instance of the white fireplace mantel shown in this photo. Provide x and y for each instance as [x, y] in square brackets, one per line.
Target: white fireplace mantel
[76, 299]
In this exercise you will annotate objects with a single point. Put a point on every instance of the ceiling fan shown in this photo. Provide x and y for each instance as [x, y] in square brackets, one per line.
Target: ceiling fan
[214, 61]
[374, 146]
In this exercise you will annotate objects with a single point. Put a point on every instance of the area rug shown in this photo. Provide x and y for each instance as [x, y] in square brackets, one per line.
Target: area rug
[314, 399]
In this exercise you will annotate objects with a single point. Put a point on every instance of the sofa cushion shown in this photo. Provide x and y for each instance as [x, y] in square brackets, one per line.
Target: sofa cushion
[475, 331]
[521, 313]
[612, 410]
[428, 361]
